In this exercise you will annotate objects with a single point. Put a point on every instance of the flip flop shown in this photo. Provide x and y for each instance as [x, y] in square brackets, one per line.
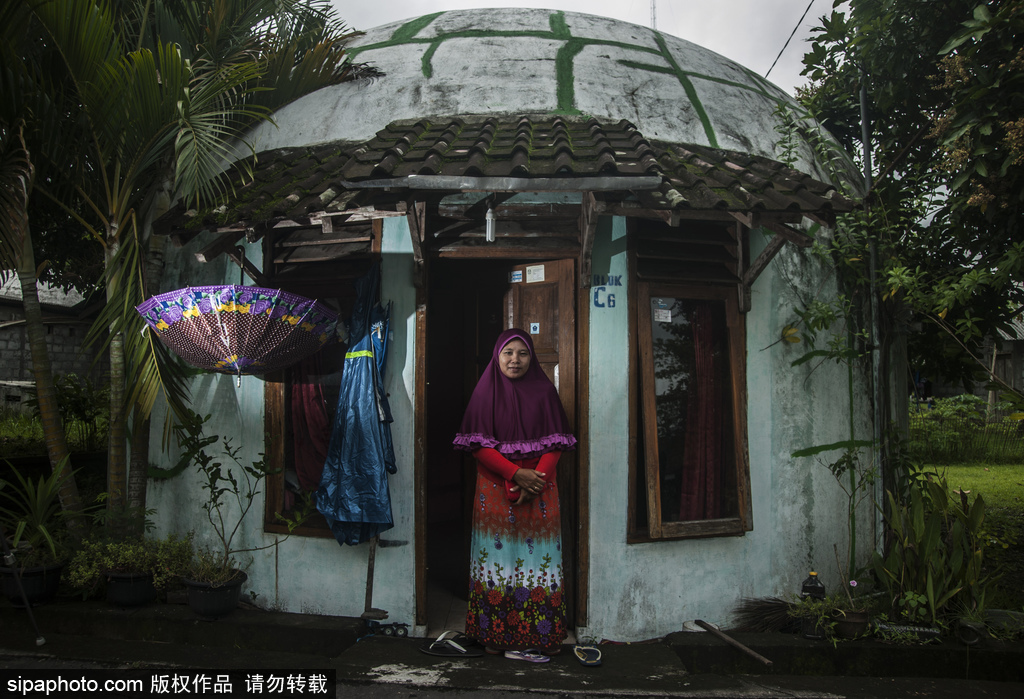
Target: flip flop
[452, 644]
[587, 655]
[530, 655]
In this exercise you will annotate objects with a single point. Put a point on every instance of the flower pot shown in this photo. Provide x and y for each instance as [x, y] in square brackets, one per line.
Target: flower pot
[850, 624]
[214, 600]
[130, 589]
[40, 584]
[970, 632]
[812, 629]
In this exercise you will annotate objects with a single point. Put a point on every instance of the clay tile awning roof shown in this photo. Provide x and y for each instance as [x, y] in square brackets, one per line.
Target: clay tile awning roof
[549, 151]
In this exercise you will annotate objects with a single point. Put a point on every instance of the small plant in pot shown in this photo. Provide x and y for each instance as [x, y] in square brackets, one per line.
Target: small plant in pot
[133, 569]
[33, 524]
[851, 613]
[215, 575]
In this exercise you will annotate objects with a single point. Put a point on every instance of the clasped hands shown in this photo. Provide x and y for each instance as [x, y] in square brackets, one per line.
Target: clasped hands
[529, 482]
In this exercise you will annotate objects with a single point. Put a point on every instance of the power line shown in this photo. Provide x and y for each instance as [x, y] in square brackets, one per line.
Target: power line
[791, 35]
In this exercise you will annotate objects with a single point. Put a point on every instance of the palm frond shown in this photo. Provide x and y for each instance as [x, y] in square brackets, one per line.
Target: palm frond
[153, 370]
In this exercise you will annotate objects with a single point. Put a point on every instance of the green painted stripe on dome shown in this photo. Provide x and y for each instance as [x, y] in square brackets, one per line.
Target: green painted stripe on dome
[556, 20]
[690, 90]
[410, 29]
[565, 77]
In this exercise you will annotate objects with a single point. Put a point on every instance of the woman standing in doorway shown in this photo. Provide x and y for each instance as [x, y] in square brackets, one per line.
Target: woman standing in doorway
[516, 428]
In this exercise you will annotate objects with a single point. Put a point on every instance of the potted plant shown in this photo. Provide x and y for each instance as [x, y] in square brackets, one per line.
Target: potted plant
[32, 521]
[134, 569]
[815, 616]
[850, 614]
[215, 575]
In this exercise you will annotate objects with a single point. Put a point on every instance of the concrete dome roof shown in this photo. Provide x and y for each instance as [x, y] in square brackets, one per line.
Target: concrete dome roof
[519, 61]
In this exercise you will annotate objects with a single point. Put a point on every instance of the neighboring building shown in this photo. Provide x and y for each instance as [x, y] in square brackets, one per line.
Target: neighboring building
[635, 181]
[1009, 355]
[66, 327]
[1004, 357]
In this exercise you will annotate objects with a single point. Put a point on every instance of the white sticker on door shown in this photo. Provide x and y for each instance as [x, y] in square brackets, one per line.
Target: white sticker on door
[516, 276]
[535, 328]
[534, 273]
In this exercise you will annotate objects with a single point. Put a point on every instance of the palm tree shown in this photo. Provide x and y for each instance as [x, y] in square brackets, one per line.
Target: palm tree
[164, 91]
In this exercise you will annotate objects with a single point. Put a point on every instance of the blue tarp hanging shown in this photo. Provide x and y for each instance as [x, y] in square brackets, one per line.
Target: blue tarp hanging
[353, 495]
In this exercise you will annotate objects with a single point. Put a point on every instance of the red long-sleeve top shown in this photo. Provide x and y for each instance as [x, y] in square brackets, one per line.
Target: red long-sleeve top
[496, 468]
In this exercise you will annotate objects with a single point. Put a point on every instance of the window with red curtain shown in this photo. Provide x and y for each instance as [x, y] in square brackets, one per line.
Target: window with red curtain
[693, 474]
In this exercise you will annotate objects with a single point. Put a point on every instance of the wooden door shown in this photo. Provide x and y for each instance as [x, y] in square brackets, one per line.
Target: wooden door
[541, 300]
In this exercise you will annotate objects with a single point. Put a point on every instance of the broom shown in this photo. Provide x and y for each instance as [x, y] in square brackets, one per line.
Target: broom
[764, 614]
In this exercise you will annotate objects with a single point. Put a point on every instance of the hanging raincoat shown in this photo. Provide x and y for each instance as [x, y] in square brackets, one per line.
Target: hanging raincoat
[353, 494]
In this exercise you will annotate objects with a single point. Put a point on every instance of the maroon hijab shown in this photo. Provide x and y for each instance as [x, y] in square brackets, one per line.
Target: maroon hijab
[521, 418]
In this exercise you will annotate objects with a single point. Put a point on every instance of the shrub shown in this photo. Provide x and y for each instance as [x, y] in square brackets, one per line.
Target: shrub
[963, 428]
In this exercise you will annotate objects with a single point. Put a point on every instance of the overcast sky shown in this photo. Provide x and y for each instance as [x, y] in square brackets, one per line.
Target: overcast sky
[750, 32]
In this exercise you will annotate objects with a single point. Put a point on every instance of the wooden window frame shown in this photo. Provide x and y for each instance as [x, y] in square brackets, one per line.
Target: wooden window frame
[658, 530]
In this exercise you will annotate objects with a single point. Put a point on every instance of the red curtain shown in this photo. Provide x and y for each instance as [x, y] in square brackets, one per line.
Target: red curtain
[311, 428]
[702, 450]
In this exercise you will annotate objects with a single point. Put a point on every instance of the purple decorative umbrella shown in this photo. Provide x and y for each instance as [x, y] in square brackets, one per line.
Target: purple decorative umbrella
[239, 329]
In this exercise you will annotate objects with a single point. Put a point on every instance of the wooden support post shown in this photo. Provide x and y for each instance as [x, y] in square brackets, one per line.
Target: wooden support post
[589, 210]
[758, 265]
[417, 217]
[743, 289]
[248, 268]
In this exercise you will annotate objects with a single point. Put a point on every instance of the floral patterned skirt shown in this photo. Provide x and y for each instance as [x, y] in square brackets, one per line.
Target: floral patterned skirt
[515, 588]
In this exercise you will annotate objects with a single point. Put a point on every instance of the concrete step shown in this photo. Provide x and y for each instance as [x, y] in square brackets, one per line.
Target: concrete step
[246, 629]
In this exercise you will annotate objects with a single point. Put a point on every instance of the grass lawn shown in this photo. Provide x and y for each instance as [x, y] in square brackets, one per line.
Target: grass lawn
[1002, 486]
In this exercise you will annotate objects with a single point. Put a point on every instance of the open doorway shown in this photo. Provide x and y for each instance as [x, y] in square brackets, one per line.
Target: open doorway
[464, 320]
[469, 303]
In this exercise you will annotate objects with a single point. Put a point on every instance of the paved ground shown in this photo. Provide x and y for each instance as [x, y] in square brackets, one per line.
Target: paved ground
[167, 639]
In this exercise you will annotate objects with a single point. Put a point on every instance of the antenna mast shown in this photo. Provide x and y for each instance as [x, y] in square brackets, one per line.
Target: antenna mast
[654, 14]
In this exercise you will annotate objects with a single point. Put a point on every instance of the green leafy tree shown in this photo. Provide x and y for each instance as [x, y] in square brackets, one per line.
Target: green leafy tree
[942, 93]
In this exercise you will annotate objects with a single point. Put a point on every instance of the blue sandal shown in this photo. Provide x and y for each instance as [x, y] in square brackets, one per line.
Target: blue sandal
[530, 655]
[587, 655]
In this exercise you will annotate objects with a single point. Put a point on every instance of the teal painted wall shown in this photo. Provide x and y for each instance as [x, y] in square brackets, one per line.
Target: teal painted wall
[308, 575]
[646, 590]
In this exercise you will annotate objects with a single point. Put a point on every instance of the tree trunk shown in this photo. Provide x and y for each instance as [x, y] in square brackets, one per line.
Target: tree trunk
[46, 392]
[117, 480]
[138, 473]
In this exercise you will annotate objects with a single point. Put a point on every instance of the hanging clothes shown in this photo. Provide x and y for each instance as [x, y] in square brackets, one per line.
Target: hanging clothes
[353, 494]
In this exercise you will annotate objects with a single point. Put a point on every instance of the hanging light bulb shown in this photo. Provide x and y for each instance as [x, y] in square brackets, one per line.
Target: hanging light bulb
[489, 218]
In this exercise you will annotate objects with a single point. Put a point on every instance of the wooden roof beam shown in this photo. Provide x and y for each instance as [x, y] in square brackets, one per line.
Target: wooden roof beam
[224, 243]
[798, 238]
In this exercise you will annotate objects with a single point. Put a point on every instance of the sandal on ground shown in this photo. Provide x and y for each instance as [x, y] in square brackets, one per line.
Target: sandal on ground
[530, 655]
[452, 644]
[587, 655]
[491, 650]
